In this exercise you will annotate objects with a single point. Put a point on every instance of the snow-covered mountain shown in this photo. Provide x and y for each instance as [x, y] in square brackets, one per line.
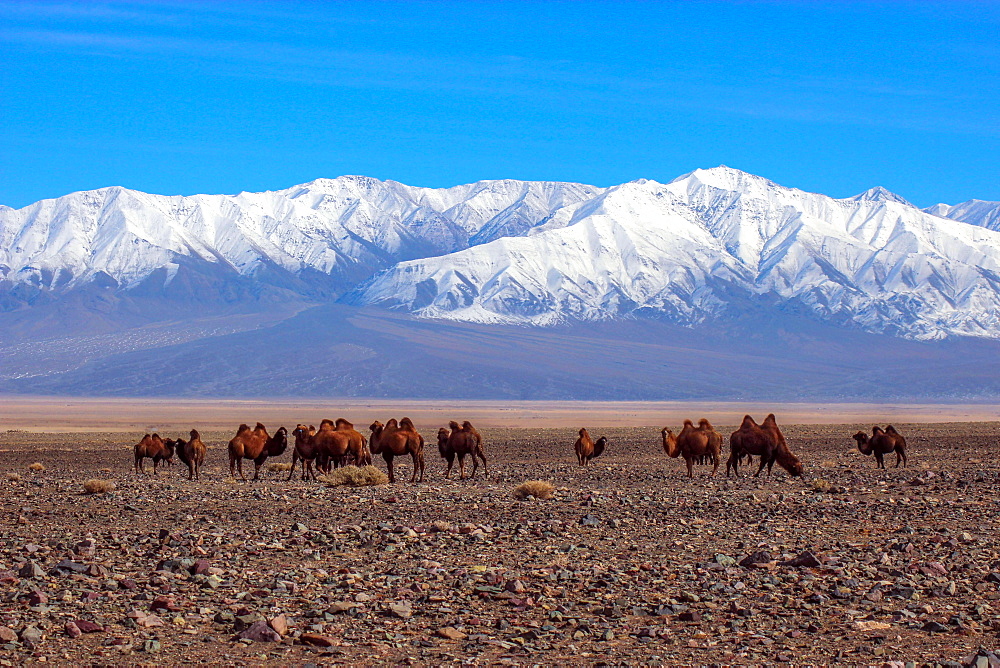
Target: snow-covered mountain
[975, 212]
[714, 242]
[711, 244]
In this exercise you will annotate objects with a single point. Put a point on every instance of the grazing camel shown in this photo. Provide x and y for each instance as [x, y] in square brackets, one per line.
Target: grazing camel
[155, 448]
[587, 449]
[394, 439]
[459, 442]
[192, 453]
[695, 444]
[304, 451]
[765, 440]
[881, 443]
[255, 444]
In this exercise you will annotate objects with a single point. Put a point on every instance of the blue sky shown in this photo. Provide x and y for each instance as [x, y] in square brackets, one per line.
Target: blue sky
[180, 98]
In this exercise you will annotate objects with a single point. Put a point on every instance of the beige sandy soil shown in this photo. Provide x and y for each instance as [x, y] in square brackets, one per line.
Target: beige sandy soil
[58, 414]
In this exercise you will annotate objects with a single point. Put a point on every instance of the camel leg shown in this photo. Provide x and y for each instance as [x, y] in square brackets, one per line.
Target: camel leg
[388, 464]
[295, 459]
[486, 473]
[715, 468]
[732, 462]
[191, 471]
[420, 459]
[447, 471]
[878, 458]
[763, 463]
[690, 464]
[475, 464]
[461, 467]
[416, 465]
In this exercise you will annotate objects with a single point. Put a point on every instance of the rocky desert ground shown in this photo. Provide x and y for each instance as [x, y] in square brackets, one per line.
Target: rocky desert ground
[630, 562]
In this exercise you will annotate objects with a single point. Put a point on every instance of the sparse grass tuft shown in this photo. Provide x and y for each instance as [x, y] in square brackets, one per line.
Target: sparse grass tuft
[95, 486]
[829, 464]
[820, 485]
[37, 467]
[539, 489]
[13, 477]
[277, 467]
[355, 476]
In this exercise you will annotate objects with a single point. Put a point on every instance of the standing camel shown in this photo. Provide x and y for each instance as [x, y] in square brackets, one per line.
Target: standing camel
[694, 444]
[304, 451]
[255, 444]
[394, 439]
[459, 442]
[155, 448]
[765, 440]
[881, 443]
[192, 454]
[586, 448]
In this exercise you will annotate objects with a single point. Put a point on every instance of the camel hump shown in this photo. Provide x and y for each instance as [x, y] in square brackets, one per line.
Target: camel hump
[889, 429]
[770, 419]
[195, 436]
[242, 428]
[688, 423]
[704, 424]
[341, 422]
[583, 432]
[406, 423]
[747, 422]
[454, 426]
[392, 424]
[326, 423]
[260, 427]
[467, 426]
[877, 430]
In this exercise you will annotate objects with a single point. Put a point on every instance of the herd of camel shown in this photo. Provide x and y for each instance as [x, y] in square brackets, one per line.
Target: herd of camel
[338, 443]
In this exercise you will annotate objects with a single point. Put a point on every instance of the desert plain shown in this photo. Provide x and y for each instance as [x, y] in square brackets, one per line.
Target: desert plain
[629, 562]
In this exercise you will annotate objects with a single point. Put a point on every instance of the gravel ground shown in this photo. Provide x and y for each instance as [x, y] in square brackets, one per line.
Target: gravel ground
[630, 562]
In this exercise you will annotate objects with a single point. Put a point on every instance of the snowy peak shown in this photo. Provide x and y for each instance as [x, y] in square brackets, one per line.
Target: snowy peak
[975, 212]
[880, 194]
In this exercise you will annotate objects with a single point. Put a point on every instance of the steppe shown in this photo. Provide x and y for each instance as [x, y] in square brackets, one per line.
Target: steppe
[630, 561]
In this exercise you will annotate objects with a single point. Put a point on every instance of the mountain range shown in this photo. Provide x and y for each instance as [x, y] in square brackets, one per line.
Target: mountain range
[99, 288]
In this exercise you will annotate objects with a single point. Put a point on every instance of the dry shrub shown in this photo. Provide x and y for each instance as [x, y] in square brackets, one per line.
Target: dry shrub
[820, 485]
[13, 477]
[829, 464]
[355, 476]
[539, 489]
[37, 467]
[95, 486]
[277, 467]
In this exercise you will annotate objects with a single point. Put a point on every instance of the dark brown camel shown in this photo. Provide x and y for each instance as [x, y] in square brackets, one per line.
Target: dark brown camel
[255, 444]
[155, 448]
[586, 448]
[764, 440]
[304, 451]
[694, 444]
[881, 443]
[467, 426]
[458, 443]
[192, 453]
[394, 439]
[332, 446]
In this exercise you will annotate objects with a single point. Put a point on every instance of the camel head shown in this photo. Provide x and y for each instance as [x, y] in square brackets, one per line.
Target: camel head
[599, 446]
[864, 446]
[276, 444]
[670, 443]
[376, 426]
[443, 435]
[242, 428]
[300, 431]
[583, 432]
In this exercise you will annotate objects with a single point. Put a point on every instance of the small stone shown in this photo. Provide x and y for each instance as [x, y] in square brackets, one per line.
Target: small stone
[86, 547]
[200, 567]
[31, 570]
[755, 558]
[7, 635]
[151, 646]
[316, 640]
[402, 610]
[37, 598]
[450, 633]
[259, 631]
[88, 627]
[934, 627]
[280, 625]
[32, 636]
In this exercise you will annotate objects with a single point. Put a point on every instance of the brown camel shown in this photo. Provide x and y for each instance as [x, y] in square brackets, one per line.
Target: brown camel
[394, 439]
[765, 440]
[881, 443]
[255, 444]
[467, 426]
[587, 449]
[332, 446]
[358, 444]
[192, 453]
[694, 444]
[155, 448]
[304, 451]
[459, 442]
